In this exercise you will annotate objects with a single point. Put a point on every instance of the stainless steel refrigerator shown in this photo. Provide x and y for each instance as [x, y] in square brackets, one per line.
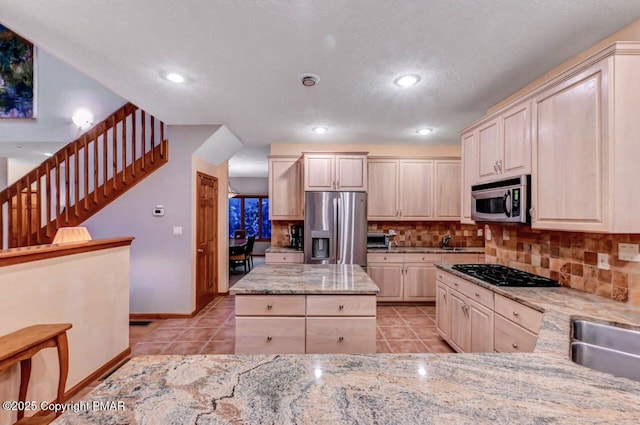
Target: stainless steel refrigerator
[335, 228]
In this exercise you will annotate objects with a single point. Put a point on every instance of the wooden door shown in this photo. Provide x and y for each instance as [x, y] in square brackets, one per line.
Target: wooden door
[516, 136]
[382, 197]
[488, 151]
[319, 172]
[443, 310]
[351, 172]
[481, 319]
[206, 240]
[569, 154]
[469, 175]
[447, 190]
[416, 190]
[23, 221]
[285, 189]
[420, 282]
[388, 277]
[460, 335]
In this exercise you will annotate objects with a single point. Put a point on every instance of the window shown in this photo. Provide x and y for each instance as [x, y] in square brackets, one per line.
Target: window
[250, 213]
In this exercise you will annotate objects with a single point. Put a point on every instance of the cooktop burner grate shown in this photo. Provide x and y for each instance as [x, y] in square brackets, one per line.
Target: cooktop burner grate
[500, 275]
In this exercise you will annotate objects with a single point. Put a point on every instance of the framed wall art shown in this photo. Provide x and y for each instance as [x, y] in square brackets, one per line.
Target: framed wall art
[17, 81]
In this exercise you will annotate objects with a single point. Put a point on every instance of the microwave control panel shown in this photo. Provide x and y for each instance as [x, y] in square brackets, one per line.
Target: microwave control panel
[515, 202]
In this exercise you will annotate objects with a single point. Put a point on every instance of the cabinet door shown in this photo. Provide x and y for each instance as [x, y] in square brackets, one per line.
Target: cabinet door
[488, 150]
[388, 277]
[460, 335]
[420, 282]
[319, 172]
[382, 197]
[469, 174]
[447, 190]
[481, 319]
[351, 173]
[416, 190]
[341, 335]
[515, 125]
[443, 310]
[285, 189]
[569, 155]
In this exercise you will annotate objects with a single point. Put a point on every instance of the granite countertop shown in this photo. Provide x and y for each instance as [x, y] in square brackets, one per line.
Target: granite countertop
[306, 279]
[427, 250]
[281, 250]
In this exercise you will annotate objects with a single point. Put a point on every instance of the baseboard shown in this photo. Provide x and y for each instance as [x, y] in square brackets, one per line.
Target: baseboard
[158, 316]
[97, 374]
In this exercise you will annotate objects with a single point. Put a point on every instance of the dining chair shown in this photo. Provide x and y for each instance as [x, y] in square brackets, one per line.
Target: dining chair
[239, 234]
[243, 258]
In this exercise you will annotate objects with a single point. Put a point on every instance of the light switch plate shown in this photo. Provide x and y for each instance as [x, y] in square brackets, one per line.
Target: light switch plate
[177, 230]
[628, 252]
[603, 261]
[480, 232]
[505, 235]
[487, 234]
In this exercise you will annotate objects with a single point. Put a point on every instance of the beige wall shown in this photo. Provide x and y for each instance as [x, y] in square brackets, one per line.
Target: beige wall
[373, 150]
[90, 291]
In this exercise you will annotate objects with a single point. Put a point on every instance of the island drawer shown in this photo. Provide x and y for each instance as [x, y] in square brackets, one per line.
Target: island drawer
[341, 335]
[518, 313]
[270, 305]
[422, 258]
[511, 338]
[270, 335]
[284, 257]
[477, 293]
[341, 305]
[384, 258]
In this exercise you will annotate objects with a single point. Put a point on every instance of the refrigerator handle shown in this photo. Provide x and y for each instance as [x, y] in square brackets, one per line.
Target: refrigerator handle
[336, 232]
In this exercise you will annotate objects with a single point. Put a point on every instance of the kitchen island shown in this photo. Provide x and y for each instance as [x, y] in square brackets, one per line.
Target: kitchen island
[305, 308]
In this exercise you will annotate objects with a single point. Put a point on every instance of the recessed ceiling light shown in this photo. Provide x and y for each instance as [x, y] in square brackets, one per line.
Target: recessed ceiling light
[407, 80]
[424, 131]
[175, 78]
[83, 118]
[319, 130]
[308, 80]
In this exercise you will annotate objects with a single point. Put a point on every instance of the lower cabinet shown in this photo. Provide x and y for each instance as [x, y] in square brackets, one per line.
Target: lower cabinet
[284, 257]
[298, 324]
[474, 319]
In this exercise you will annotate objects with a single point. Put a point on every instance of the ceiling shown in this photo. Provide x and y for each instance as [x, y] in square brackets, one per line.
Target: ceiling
[242, 59]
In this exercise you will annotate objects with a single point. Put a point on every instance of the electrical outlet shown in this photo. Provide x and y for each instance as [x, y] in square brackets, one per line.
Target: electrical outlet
[487, 234]
[480, 232]
[392, 232]
[603, 261]
[628, 252]
[505, 235]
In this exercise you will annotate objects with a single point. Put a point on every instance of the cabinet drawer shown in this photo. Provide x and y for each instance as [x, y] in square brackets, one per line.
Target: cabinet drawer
[384, 258]
[341, 335]
[270, 305]
[511, 338]
[518, 313]
[341, 305]
[422, 258]
[459, 258]
[270, 335]
[472, 291]
[284, 257]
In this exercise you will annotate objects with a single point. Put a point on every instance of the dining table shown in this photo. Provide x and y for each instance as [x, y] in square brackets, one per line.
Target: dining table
[236, 246]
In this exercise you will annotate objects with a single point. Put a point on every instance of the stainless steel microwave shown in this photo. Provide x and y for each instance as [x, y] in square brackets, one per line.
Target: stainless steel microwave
[502, 201]
[378, 240]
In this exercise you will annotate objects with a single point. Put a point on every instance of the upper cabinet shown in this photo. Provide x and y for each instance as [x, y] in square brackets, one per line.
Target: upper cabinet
[504, 144]
[285, 188]
[413, 189]
[469, 175]
[335, 172]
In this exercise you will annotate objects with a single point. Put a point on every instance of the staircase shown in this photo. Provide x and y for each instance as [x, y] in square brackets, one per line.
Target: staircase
[82, 177]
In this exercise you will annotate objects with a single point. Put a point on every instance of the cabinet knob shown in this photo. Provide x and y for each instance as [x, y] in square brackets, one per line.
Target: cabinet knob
[284, 258]
[385, 258]
[341, 307]
[269, 306]
[515, 313]
[444, 296]
[341, 338]
[477, 294]
[514, 345]
[455, 283]
[269, 338]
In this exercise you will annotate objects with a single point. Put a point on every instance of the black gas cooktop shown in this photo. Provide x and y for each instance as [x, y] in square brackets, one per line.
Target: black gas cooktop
[499, 275]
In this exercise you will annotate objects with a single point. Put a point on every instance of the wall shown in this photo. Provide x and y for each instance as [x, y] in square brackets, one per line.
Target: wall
[252, 186]
[374, 150]
[429, 233]
[17, 168]
[569, 257]
[89, 290]
[4, 172]
[161, 264]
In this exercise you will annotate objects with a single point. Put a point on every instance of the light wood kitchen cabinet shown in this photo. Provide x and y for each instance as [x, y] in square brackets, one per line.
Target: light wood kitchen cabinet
[388, 277]
[443, 312]
[337, 335]
[511, 338]
[469, 175]
[270, 335]
[335, 172]
[488, 150]
[447, 184]
[481, 321]
[460, 333]
[382, 197]
[284, 257]
[415, 190]
[286, 198]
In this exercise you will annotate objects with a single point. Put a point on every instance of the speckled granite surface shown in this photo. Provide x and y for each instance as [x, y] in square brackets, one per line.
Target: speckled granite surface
[362, 389]
[306, 279]
[427, 250]
[281, 250]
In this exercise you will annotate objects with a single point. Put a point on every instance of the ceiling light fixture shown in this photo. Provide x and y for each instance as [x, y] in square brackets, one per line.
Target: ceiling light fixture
[83, 118]
[309, 80]
[319, 130]
[424, 131]
[407, 80]
[175, 78]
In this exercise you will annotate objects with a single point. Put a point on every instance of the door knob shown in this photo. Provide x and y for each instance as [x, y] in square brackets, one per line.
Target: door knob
[200, 250]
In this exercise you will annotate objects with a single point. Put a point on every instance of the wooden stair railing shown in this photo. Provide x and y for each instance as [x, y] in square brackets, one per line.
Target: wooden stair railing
[82, 177]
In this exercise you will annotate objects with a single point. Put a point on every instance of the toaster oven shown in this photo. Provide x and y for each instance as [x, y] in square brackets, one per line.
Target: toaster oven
[378, 240]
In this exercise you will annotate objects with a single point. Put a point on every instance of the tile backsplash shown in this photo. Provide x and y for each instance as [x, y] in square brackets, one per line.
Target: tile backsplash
[429, 233]
[568, 257]
[280, 232]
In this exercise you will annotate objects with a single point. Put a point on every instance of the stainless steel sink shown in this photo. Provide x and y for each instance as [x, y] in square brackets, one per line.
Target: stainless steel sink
[606, 348]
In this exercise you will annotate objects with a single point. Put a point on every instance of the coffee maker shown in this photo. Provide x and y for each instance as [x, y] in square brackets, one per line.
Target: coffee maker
[296, 234]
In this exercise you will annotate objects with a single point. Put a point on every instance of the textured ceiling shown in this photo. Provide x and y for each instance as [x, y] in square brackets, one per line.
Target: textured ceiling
[242, 58]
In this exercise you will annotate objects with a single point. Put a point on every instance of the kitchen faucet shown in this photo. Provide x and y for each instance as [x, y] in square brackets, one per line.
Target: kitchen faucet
[445, 241]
